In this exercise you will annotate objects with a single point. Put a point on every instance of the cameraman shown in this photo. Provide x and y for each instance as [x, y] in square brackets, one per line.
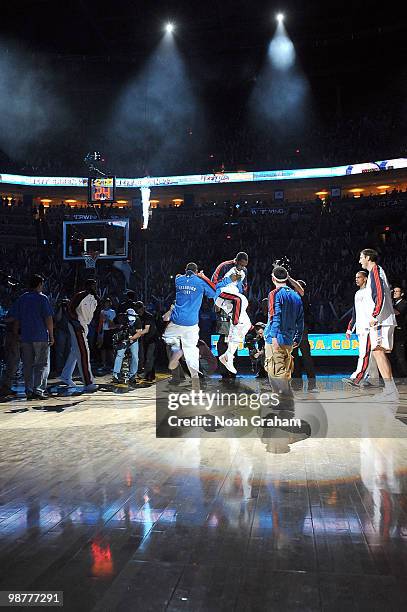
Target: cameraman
[148, 344]
[256, 345]
[126, 337]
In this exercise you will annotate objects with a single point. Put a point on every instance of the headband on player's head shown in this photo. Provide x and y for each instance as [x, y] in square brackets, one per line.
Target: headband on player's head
[364, 272]
[280, 274]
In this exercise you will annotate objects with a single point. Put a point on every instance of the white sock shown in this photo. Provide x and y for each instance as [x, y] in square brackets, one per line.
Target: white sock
[232, 348]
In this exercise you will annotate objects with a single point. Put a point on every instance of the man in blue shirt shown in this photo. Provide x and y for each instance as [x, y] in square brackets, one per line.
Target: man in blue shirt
[34, 313]
[182, 333]
[283, 330]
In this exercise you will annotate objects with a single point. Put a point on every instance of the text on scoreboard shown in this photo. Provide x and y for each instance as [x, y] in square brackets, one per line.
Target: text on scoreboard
[321, 345]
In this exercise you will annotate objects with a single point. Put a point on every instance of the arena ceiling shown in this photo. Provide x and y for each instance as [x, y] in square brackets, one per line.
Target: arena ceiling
[331, 37]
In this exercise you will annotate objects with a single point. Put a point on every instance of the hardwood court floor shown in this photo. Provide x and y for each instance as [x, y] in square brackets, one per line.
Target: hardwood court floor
[91, 503]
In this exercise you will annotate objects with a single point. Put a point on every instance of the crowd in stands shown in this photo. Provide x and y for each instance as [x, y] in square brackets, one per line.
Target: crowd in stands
[322, 242]
[334, 140]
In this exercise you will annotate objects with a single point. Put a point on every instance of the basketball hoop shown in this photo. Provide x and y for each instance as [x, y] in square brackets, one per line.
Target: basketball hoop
[90, 259]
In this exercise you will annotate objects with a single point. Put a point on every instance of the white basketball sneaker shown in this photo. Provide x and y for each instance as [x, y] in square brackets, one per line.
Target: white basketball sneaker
[227, 361]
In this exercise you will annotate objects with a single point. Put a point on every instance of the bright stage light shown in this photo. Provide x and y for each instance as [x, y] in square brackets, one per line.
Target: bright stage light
[169, 28]
[280, 17]
[281, 51]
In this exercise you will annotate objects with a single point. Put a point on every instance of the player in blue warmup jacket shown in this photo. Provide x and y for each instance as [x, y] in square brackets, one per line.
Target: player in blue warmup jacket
[182, 333]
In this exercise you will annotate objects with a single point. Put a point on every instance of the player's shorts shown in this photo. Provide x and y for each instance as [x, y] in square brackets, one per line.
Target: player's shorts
[279, 363]
[185, 337]
[381, 337]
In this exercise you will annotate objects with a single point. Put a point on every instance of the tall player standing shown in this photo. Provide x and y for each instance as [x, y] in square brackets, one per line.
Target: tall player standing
[382, 322]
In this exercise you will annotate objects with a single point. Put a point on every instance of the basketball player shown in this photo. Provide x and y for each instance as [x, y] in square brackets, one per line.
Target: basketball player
[80, 310]
[182, 332]
[382, 322]
[360, 322]
[230, 279]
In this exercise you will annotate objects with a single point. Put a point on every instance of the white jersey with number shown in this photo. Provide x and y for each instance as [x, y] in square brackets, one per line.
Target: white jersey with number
[381, 303]
[363, 310]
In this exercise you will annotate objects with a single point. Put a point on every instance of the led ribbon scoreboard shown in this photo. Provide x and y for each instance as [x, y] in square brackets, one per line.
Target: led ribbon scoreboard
[207, 179]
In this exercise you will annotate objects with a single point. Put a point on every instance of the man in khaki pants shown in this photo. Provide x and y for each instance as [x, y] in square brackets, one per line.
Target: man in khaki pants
[283, 331]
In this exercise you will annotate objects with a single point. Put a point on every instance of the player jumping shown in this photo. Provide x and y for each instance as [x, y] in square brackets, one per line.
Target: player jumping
[230, 279]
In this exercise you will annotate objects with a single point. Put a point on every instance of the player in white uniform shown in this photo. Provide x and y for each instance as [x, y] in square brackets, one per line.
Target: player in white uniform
[230, 279]
[80, 311]
[382, 322]
[360, 323]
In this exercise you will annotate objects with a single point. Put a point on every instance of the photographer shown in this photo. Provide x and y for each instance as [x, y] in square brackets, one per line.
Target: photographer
[256, 345]
[148, 344]
[126, 337]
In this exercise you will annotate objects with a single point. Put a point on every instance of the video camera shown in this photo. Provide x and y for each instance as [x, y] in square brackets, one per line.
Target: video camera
[121, 337]
[284, 262]
[251, 343]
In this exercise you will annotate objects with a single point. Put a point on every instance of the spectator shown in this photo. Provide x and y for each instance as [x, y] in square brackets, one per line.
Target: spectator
[62, 337]
[105, 334]
[12, 353]
[398, 355]
[128, 302]
[33, 313]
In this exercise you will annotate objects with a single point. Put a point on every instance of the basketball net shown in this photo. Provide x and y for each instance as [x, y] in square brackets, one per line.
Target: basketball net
[90, 259]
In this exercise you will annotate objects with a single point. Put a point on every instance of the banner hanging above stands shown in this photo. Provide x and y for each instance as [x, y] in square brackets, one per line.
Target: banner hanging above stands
[207, 179]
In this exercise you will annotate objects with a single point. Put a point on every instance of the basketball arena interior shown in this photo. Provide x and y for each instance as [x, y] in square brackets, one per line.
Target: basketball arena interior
[203, 320]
